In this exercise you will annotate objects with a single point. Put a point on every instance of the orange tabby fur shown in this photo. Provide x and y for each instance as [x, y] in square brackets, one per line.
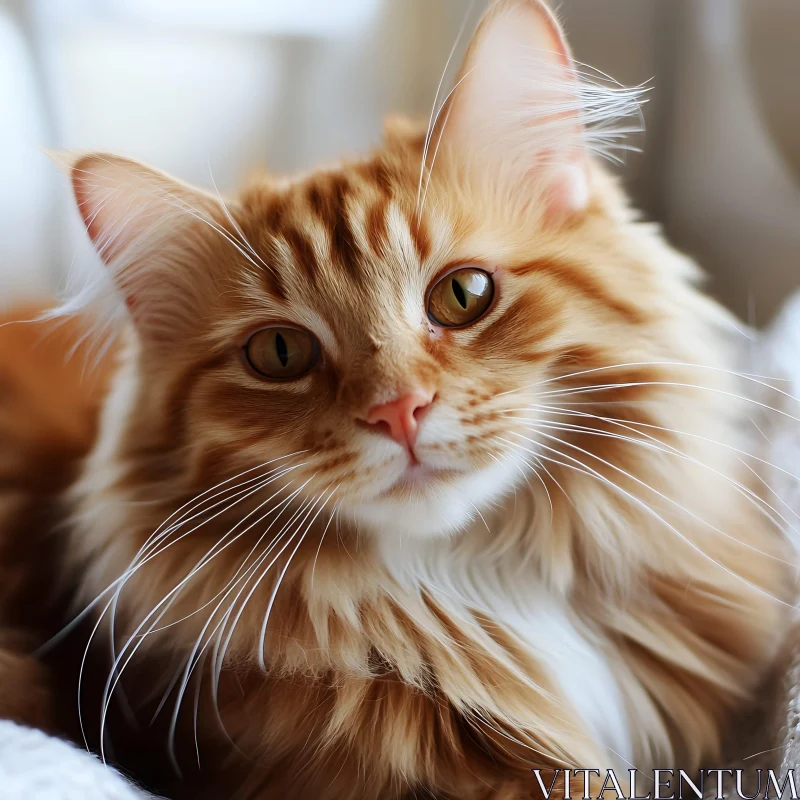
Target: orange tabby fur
[399, 664]
[48, 410]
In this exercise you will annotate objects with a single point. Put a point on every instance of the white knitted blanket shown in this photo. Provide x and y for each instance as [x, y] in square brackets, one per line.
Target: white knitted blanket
[35, 766]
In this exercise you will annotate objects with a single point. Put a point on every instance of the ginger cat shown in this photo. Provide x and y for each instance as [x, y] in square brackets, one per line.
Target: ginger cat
[412, 474]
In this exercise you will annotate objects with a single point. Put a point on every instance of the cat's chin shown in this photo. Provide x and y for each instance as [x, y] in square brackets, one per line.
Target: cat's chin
[433, 505]
[417, 517]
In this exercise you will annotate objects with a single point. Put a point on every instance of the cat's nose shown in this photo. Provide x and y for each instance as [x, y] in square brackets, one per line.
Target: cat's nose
[400, 419]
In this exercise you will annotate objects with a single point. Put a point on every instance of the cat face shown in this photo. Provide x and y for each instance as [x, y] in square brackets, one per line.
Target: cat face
[376, 334]
[402, 343]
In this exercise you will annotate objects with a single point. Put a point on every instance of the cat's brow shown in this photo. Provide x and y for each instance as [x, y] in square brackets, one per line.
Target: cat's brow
[341, 220]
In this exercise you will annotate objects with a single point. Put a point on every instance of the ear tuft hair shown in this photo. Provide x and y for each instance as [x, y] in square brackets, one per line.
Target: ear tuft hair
[523, 113]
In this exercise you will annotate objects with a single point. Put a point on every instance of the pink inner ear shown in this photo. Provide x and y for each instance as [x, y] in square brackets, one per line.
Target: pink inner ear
[568, 193]
[93, 202]
[81, 193]
[90, 200]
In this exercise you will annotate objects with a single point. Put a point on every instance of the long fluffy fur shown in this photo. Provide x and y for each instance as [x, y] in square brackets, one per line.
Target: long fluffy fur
[598, 580]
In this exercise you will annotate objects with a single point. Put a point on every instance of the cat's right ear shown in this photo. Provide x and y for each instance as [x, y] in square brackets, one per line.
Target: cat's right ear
[151, 231]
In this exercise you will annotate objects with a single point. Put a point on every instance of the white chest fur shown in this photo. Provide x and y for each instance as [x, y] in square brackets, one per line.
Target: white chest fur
[575, 658]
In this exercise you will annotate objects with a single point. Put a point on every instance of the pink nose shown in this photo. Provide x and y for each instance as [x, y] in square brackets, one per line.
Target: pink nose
[401, 418]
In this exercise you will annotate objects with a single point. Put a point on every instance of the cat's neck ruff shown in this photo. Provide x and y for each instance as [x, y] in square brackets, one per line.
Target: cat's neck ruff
[467, 575]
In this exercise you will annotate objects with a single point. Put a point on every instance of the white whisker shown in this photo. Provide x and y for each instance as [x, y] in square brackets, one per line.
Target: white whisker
[117, 670]
[263, 634]
[650, 511]
[434, 115]
[743, 490]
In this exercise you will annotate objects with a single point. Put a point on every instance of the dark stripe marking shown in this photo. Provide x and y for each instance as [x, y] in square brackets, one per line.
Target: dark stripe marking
[302, 249]
[581, 283]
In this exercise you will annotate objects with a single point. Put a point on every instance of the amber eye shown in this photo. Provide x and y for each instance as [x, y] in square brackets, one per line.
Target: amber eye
[461, 297]
[282, 354]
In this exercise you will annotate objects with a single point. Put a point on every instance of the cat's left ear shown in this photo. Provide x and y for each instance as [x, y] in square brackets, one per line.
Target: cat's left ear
[515, 113]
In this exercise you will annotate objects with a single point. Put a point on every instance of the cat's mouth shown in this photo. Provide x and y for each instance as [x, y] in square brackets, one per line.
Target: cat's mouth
[417, 478]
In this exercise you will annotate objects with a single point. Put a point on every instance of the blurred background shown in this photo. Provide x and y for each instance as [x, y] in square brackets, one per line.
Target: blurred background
[210, 89]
